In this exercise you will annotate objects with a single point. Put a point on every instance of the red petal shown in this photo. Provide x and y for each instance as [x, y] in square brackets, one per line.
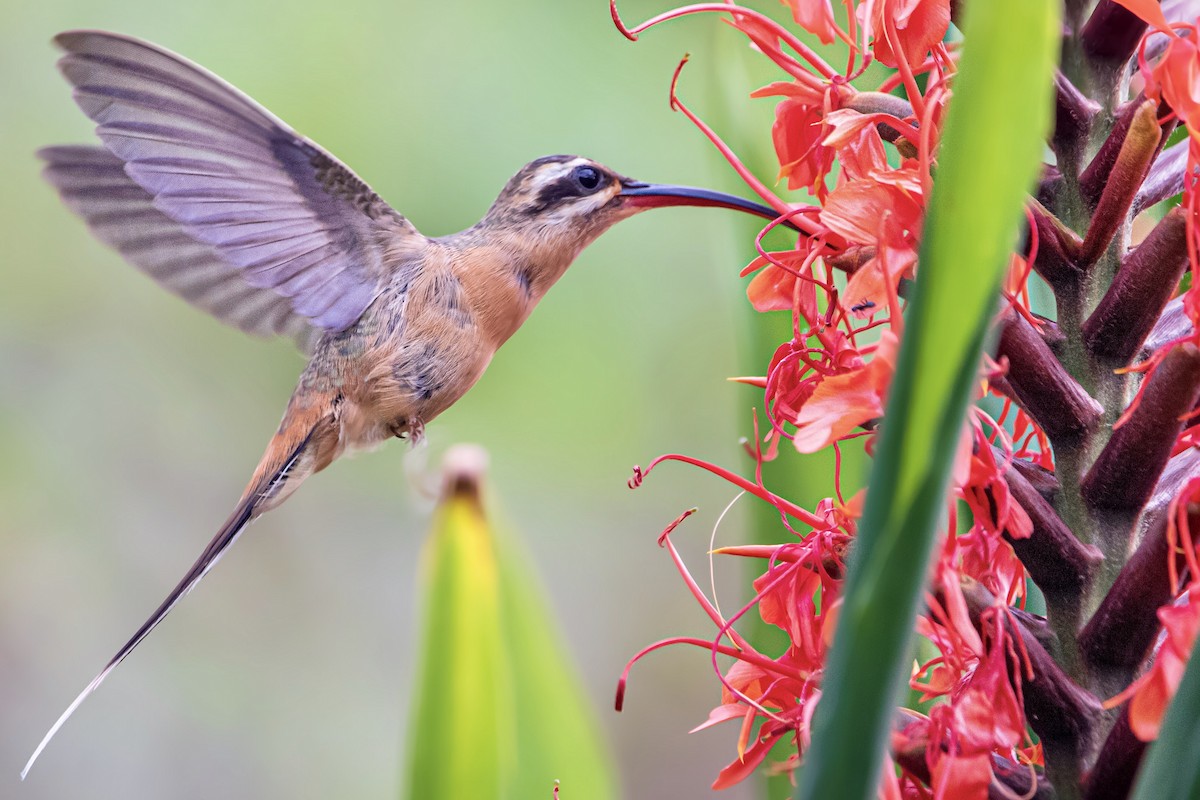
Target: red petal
[841, 403]
[816, 17]
[959, 778]
[740, 769]
[722, 713]
[920, 25]
[772, 289]
[797, 135]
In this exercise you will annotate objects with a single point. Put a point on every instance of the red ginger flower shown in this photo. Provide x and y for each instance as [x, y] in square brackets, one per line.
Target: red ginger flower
[867, 159]
[798, 134]
[816, 17]
[906, 30]
[1174, 81]
[841, 403]
[830, 383]
[1154, 692]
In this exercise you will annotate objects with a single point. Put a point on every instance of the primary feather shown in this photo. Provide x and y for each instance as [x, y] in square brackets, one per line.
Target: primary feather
[92, 183]
[279, 210]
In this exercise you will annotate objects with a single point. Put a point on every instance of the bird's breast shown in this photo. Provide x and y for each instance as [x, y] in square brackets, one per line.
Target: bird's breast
[415, 370]
[425, 341]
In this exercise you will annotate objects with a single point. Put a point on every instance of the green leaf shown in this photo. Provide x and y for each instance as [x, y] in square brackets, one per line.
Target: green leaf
[558, 735]
[990, 154]
[498, 709]
[1171, 770]
[462, 729]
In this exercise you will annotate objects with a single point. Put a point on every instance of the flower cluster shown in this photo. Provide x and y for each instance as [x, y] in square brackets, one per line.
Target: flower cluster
[1044, 490]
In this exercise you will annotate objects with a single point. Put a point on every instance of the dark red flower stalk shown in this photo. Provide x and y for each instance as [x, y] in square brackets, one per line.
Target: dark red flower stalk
[1047, 392]
[1095, 447]
[1144, 283]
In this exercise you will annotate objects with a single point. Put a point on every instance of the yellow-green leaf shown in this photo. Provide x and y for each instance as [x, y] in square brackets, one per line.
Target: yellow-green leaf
[498, 710]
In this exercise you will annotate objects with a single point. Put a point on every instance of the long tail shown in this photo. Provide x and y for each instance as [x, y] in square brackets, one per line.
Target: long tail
[306, 442]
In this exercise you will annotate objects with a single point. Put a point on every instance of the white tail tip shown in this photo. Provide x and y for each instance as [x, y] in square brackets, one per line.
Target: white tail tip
[91, 687]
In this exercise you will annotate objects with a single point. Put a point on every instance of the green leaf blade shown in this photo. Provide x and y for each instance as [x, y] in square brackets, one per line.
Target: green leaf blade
[461, 732]
[499, 711]
[558, 735]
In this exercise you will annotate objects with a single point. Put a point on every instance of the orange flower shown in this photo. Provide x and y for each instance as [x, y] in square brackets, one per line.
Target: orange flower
[776, 288]
[1149, 10]
[908, 29]
[842, 283]
[1155, 689]
[842, 403]
[962, 777]
[1175, 80]
[798, 133]
[816, 17]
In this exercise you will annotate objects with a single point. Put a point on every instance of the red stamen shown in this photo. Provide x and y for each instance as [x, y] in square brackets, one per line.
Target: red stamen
[665, 541]
[785, 506]
[775, 551]
[929, 131]
[906, 73]
[749, 656]
[803, 50]
[727, 626]
[757, 186]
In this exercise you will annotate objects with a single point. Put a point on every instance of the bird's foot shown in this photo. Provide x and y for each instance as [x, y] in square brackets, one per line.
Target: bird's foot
[411, 429]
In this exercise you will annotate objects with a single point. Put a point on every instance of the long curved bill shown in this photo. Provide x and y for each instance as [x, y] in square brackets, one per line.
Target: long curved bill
[657, 195]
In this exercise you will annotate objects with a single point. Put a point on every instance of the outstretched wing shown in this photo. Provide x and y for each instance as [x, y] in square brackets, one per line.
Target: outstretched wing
[92, 183]
[284, 214]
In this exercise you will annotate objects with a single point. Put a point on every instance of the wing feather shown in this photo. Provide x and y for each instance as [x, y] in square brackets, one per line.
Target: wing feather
[93, 184]
[281, 213]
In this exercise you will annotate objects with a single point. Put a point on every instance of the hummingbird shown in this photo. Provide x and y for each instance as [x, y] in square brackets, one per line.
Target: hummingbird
[224, 204]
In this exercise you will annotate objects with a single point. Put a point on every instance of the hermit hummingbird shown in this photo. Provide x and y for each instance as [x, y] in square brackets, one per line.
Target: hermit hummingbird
[222, 203]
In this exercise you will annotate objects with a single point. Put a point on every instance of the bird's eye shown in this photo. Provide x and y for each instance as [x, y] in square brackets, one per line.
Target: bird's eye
[587, 177]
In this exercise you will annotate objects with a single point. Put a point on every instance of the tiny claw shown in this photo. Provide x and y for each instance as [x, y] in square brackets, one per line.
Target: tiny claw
[412, 430]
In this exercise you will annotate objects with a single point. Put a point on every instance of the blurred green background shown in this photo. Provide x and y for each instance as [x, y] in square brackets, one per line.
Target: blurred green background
[129, 422]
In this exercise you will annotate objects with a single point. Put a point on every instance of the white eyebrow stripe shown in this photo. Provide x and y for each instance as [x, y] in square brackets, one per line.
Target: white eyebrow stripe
[552, 172]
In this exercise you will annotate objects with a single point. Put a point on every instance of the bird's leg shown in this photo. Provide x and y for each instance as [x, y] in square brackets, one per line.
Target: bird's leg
[410, 428]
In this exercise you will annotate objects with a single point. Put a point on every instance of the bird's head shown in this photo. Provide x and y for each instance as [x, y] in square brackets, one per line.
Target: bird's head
[565, 202]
